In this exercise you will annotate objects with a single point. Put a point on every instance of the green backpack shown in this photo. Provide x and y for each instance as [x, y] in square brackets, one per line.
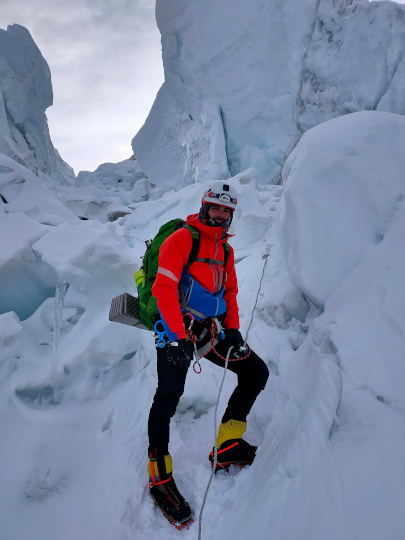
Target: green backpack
[145, 277]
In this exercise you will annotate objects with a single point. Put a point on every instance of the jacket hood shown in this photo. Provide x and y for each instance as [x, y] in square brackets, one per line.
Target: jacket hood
[214, 232]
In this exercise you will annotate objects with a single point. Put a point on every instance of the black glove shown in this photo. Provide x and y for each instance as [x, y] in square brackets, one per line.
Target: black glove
[180, 352]
[233, 338]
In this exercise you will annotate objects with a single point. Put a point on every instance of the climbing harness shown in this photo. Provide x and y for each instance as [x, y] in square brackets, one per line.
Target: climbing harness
[215, 330]
[265, 257]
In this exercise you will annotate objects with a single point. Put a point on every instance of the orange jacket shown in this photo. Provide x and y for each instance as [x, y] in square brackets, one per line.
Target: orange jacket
[173, 256]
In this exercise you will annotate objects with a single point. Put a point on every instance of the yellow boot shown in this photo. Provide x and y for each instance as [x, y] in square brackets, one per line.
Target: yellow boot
[159, 474]
[233, 429]
[231, 448]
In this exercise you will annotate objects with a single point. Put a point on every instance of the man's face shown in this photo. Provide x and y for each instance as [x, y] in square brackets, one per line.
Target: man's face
[219, 213]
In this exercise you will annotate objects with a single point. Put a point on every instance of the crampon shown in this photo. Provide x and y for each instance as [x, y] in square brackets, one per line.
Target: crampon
[235, 452]
[172, 505]
[184, 525]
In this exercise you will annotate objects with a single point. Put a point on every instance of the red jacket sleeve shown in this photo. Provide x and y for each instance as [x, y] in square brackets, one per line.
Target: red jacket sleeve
[173, 256]
[231, 291]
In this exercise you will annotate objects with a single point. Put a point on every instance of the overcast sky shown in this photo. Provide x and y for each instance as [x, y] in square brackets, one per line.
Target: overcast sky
[106, 67]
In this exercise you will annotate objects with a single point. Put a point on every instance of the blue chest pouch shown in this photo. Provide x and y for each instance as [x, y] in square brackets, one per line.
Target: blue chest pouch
[197, 300]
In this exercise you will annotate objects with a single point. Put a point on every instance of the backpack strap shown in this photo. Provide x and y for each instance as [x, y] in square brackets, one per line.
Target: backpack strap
[195, 234]
[195, 247]
[226, 253]
[210, 261]
[215, 261]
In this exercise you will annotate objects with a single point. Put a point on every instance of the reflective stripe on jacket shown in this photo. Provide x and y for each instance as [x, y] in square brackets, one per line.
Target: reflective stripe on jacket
[173, 256]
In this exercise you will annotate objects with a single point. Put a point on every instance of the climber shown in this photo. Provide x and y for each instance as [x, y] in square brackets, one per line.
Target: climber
[198, 306]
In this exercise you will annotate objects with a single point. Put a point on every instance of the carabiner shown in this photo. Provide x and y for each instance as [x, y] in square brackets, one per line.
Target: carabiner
[161, 340]
[219, 329]
[197, 361]
[188, 314]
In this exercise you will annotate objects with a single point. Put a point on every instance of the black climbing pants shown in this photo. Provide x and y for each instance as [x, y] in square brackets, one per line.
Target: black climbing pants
[252, 375]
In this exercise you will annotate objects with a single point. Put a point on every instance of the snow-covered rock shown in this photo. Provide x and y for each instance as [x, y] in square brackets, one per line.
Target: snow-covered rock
[25, 281]
[22, 193]
[116, 176]
[92, 257]
[28, 210]
[107, 193]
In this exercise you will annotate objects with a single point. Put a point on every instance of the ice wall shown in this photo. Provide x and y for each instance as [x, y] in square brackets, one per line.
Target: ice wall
[25, 94]
[243, 81]
[344, 184]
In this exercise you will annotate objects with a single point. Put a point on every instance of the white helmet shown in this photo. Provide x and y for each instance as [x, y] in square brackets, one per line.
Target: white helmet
[222, 194]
